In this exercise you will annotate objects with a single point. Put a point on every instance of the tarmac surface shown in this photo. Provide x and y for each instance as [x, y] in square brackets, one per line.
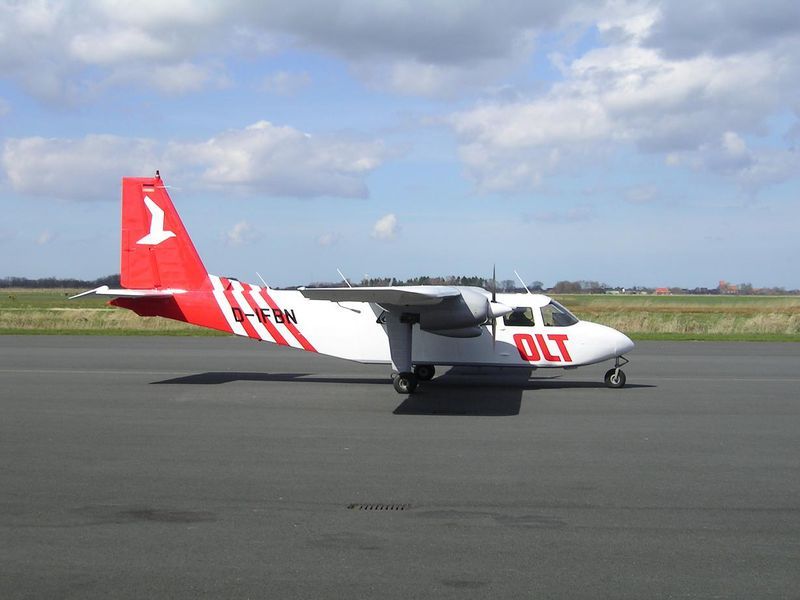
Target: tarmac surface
[222, 468]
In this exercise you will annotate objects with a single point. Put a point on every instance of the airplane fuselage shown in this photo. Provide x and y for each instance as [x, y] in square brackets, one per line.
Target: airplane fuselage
[355, 331]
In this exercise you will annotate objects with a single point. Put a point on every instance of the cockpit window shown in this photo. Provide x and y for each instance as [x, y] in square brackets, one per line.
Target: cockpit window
[522, 316]
[555, 315]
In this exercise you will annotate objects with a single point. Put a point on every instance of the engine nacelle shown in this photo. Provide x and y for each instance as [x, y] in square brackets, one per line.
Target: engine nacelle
[472, 309]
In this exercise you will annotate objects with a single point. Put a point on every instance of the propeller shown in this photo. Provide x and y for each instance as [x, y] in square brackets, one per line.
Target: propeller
[494, 301]
[494, 283]
[496, 309]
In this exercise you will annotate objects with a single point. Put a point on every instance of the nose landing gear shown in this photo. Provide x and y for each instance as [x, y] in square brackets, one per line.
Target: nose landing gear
[615, 378]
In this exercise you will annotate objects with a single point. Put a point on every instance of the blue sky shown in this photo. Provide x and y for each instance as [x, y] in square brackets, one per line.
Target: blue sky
[635, 143]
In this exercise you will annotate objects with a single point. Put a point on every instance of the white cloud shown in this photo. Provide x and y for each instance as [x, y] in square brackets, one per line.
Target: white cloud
[733, 144]
[62, 50]
[44, 238]
[328, 239]
[415, 78]
[161, 15]
[67, 52]
[669, 77]
[36, 17]
[282, 161]
[241, 233]
[75, 46]
[731, 157]
[722, 27]
[642, 194]
[263, 159]
[88, 168]
[386, 227]
[625, 94]
[183, 77]
[285, 83]
[118, 46]
[172, 79]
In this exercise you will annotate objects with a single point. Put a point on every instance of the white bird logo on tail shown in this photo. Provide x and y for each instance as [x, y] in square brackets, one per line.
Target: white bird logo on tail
[157, 233]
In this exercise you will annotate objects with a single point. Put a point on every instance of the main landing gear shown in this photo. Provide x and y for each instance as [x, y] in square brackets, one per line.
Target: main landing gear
[615, 378]
[406, 383]
[398, 327]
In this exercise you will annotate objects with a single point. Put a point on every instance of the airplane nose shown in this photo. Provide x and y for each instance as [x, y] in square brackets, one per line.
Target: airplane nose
[622, 343]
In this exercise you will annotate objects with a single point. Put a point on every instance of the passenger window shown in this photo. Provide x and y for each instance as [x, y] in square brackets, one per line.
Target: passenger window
[522, 316]
[555, 315]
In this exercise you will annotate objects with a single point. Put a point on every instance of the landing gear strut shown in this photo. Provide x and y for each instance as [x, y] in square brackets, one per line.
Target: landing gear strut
[615, 378]
[398, 328]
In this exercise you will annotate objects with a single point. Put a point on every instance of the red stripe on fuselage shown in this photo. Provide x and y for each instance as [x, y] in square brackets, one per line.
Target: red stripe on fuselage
[248, 309]
[289, 325]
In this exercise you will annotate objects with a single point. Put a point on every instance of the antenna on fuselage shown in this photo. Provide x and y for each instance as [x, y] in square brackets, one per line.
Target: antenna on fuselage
[266, 285]
[343, 277]
[522, 282]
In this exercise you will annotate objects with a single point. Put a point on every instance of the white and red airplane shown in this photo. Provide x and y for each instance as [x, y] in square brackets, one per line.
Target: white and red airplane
[412, 328]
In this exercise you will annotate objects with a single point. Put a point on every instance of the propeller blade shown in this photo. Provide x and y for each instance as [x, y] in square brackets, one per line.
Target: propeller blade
[494, 332]
[494, 283]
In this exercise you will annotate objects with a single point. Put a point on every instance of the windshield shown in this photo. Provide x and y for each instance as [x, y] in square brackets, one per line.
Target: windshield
[555, 315]
[522, 316]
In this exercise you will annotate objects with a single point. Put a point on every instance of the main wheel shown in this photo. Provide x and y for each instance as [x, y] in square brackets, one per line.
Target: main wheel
[424, 372]
[405, 383]
[615, 378]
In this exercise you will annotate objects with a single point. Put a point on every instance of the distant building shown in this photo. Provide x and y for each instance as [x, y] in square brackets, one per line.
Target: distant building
[662, 291]
[727, 288]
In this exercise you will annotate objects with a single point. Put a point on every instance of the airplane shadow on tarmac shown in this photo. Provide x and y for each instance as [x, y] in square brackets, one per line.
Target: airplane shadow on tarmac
[461, 391]
[219, 377]
[482, 391]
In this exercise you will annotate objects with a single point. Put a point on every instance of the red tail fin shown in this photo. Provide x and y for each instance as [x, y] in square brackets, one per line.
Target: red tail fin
[156, 250]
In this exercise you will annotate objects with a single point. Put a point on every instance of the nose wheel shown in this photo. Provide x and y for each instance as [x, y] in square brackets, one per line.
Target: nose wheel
[615, 378]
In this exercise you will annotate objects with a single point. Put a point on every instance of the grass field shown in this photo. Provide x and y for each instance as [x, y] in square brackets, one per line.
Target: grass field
[753, 318]
[748, 318]
[50, 312]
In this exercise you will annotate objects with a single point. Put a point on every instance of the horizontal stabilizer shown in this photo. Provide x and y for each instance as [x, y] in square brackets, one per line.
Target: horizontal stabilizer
[104, 290]
[427, 295]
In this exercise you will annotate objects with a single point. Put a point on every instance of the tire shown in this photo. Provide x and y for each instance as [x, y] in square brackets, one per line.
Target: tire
[405, 383]
[424, 372]
[615, 378]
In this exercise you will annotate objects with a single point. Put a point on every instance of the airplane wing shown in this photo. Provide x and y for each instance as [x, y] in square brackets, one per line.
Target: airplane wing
[104, 290]
[392, 296]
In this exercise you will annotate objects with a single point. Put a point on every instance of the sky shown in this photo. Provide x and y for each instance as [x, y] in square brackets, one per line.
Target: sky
[634, 143]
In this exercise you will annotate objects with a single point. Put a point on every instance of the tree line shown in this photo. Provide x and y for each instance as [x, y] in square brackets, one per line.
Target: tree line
[58, 282]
